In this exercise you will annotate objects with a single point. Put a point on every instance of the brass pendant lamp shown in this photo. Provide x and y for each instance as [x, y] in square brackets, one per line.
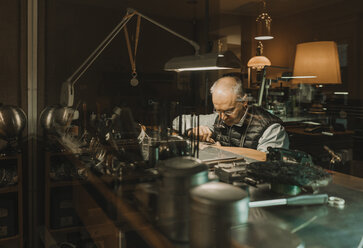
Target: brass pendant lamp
[263, 22]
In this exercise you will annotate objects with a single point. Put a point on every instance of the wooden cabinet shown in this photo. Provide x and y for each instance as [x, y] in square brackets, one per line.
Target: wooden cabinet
[98, 224]
[59, 216]
[11, 202]
[69, 208]
[313, 144]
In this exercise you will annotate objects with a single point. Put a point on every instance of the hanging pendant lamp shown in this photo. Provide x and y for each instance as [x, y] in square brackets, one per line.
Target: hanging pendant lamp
[263, 22]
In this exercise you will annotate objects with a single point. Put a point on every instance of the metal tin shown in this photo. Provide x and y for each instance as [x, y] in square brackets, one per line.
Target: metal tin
[55, 116]
[179, 175]
[215, 209]
[12, 121]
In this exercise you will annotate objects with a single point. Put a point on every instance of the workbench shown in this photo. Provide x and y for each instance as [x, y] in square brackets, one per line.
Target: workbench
[107, 214]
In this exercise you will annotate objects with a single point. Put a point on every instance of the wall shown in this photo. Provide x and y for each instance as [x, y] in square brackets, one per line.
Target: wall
[13, 53]
[340, 22]
[72, 31]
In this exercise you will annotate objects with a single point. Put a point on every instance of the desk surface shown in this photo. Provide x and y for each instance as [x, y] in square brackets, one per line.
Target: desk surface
[251, 153]
[300, 130]
[345, 180]
[301, 118]
[317, 226]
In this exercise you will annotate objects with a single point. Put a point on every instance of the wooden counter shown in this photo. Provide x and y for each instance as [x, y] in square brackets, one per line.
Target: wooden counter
[247, 152]
[347, 181]
[344, 186]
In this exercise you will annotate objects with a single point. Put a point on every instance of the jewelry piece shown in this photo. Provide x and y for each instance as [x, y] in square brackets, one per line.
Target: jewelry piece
[134, 81]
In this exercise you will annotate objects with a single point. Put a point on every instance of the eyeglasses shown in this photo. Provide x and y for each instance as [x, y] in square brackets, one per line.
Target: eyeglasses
[227, 112]
[230, 111]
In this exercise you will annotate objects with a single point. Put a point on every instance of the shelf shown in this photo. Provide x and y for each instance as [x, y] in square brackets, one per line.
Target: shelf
[8, 189]
[17, 188]
[8, 157]
[64, 183]
[55, 154]
[15, 237]
[67, 229]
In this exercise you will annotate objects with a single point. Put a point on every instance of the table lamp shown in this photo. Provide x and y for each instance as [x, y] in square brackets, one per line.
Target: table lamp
[257, 62]
[319, 60]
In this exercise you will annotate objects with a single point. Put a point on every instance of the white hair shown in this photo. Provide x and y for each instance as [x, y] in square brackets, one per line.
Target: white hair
[236, 89]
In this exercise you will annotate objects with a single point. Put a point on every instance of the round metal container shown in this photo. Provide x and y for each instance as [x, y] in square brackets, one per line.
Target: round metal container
[12, 121]
[216, 208]
[179, 175]
[53, 117]
[47, 117]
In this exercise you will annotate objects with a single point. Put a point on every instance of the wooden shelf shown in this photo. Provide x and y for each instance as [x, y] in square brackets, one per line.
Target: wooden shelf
[8, 189]
[8, 157]
[51, 154]
[15, 188]
[54, 184]
[15, 237]
[67, 229]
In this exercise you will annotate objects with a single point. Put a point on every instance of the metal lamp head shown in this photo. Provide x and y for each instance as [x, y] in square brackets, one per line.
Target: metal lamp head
[209, 61]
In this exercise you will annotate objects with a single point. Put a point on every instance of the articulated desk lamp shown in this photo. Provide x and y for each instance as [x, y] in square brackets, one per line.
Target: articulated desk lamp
[210, 61]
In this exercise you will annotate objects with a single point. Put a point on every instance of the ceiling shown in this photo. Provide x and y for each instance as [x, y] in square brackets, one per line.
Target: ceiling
[230, 10]
[274, 7]
[196, 9]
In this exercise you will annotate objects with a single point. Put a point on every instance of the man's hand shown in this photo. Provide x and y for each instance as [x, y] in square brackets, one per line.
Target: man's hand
[204, 133]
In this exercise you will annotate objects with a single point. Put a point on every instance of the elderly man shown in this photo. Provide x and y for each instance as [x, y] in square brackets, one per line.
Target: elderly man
[234, 123]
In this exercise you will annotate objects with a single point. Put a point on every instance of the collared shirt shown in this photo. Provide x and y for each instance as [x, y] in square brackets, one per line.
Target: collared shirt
[274, 136]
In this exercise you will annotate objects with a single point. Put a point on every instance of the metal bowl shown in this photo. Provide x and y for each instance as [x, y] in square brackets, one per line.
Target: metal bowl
[55, 116]
[12, 121]
[47, 117]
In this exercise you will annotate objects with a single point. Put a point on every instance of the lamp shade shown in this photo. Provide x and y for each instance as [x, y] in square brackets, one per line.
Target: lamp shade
[319, 59]
[258, 62]
[208, 61]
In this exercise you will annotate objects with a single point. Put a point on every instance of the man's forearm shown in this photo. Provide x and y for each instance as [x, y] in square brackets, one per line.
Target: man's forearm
[186, 122]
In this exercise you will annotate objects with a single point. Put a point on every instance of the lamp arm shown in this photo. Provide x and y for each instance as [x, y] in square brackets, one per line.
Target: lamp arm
[101, 47]
[129, 14]
[67, 88]
[191, 42]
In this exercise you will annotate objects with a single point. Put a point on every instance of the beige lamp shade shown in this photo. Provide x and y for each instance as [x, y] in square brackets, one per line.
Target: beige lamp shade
[258, 62]
[319, 59]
